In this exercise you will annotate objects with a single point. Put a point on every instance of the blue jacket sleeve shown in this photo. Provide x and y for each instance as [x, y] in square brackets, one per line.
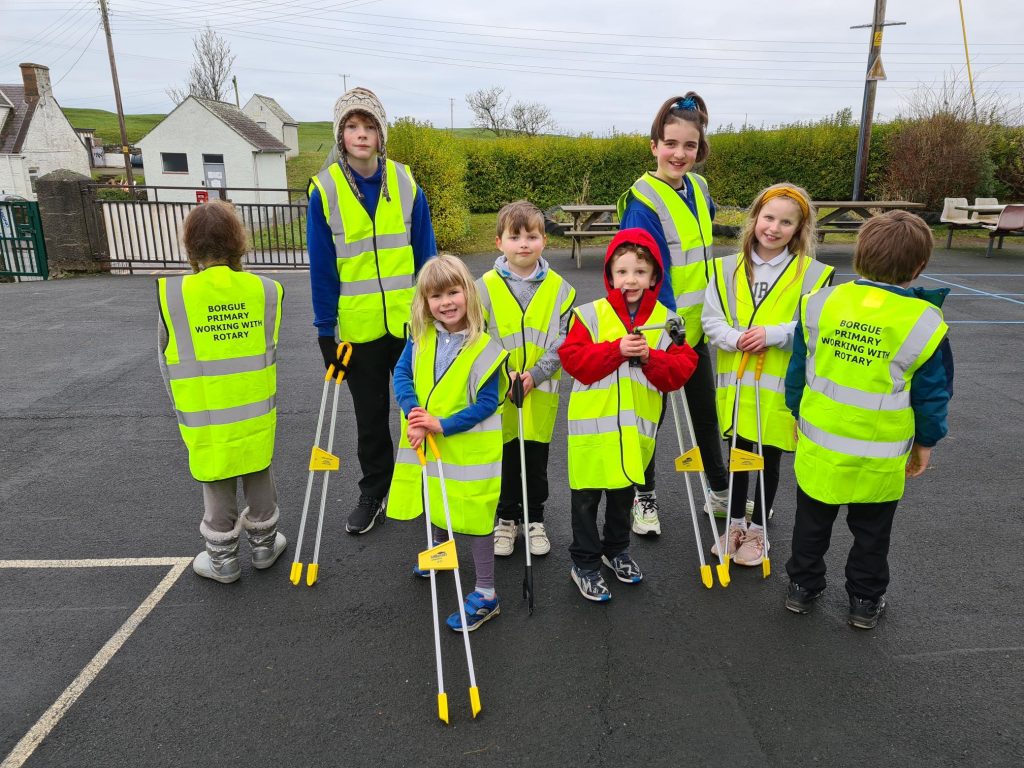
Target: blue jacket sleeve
[486, 404]
[323, 270]
[796, 377]
[424, 246]
[639, 215]
[405, 390]
[930, 389]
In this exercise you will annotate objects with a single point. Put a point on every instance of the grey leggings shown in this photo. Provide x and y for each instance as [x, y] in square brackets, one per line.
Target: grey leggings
[482, 548]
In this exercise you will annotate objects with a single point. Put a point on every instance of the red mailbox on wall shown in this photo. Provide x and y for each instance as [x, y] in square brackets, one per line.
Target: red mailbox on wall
[202, 196]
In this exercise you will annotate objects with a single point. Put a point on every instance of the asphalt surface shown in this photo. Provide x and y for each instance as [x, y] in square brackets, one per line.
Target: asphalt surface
[262, 673]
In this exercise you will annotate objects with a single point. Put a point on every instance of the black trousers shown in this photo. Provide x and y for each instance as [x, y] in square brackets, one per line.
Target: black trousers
[700, 394]
[587, 544]
[510, 502]
[867, 566]
[741, 482]
[369, 381]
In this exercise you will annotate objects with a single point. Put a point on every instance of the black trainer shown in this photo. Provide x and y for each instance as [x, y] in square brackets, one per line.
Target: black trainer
[365, 515]
[800, 600]
[864, 614]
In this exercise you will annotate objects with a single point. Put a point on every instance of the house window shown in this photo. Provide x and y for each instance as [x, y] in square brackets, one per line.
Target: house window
[213, 158]
[262, 124]
[174, 162]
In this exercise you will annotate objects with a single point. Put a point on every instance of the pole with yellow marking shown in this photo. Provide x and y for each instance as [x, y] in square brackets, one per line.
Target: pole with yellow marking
[430, 560]
[766, 566]
[320, 460]
[474, 691]
[734, 454]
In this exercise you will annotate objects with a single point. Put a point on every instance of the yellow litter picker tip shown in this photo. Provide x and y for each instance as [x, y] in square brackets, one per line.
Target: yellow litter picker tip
[442, 707]
[474, 701]
[705, 576]
[296, 574]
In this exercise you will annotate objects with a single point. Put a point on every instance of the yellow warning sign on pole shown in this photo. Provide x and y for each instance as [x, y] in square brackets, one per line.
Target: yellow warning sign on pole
[443, 557]
[876, 71]
[690, 461]
[322, 461]
[744, 461]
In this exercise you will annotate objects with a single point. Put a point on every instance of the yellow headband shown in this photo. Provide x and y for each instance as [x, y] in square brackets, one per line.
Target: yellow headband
[790, 192]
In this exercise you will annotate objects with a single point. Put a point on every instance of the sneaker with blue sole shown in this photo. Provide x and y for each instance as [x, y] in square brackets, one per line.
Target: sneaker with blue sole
[625, 568]
[478, 610]
[591, 584]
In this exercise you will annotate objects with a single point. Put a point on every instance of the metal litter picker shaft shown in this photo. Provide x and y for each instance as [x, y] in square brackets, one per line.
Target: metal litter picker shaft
[320, 460]
[766, 566]
[442, 697]
[474, 691]
[517, 396]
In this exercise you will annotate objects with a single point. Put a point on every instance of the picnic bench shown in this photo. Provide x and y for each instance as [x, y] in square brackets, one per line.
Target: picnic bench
[865, 209]
[588, 221]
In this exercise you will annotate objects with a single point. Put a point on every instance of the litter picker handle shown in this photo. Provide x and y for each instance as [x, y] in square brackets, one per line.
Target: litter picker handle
[759, 367]
[344, 355]
[743, 365]
[433, 446]
[421, 455]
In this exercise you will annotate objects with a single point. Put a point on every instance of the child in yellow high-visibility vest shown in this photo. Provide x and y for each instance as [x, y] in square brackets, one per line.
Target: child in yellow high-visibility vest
[750, 308]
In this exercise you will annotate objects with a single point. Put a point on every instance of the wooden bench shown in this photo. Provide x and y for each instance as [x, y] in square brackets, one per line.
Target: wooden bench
[587, 222]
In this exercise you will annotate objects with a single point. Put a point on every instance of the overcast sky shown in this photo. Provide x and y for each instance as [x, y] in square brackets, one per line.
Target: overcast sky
[597, 65]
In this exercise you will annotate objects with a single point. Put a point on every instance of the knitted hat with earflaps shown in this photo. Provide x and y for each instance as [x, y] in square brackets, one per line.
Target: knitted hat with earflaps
[364, 101]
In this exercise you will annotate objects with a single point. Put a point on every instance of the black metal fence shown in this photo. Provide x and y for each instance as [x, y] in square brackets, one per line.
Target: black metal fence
[136, 230]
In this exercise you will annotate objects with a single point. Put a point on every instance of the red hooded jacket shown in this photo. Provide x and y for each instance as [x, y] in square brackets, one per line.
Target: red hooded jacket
[588, 361]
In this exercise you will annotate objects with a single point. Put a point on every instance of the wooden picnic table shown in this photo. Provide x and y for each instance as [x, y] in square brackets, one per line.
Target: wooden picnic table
[866, 209]
[587, 221]
[983, 210]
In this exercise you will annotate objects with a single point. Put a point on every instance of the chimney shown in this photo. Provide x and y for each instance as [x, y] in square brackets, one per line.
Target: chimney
[36, 78]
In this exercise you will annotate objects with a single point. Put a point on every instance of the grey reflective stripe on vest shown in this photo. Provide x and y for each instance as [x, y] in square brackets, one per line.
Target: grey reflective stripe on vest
[465, 473]
[188, 367]
[478, 371]
[691, 299]
[852, 447]
[223, 416]
[872, 401]
[588, 315]
[672, 240]
[375, 285]
[768, 382]
[815, 270]
[604, 425]
[815, 303]
[728, 267]
[922, 332]
[532, 335]
[345, 250]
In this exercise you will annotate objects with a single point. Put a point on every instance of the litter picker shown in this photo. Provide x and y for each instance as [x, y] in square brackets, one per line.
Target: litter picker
[766, 566]
[740, 460]
[474, 691]
[321, 460]
[517, 396]
[436, 558]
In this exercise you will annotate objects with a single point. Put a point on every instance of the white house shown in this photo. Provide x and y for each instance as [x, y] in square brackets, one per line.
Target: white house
[35, 136]
[204, 144]
[271, 117]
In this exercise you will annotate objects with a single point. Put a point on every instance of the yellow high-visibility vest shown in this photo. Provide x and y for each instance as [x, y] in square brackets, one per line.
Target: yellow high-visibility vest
[222, 329]
[526, 334]
[613, 422]
[781, 305]
[472, 459]
[689, 243]
[376, 267]
[864, 344]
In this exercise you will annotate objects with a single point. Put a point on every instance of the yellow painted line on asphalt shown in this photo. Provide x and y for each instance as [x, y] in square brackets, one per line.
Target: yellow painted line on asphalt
[23, 749]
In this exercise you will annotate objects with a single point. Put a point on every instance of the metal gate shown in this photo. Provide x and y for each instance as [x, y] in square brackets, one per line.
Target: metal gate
[22, 250]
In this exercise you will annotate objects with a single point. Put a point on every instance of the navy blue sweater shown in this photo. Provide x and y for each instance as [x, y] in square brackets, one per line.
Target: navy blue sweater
[323, 265]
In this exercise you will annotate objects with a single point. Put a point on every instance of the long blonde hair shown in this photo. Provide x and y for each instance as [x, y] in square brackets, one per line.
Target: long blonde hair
[805, 238]
[437, 275]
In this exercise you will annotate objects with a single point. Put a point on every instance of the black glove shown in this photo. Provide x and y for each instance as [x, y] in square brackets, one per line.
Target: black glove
[329, 350]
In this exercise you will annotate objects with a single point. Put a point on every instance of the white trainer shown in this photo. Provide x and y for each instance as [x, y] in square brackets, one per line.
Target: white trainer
[537, 538]
[505, 533]
[645, 517]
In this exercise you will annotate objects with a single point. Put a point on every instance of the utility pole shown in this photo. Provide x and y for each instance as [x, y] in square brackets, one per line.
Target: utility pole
[875, 72]
[234, 82]
[451, 106]
[344, 82]
[117, 97]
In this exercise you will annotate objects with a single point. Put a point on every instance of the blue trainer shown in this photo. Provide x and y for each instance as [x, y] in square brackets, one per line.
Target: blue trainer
[478, 610]
[625, 568]
[417, 571]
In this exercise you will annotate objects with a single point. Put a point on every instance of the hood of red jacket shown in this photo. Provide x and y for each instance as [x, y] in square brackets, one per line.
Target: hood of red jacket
[634, 236]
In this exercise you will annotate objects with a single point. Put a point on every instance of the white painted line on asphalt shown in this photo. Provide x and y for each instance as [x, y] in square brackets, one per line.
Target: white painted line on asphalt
[23, 749]
[975, 290]
[110, 562]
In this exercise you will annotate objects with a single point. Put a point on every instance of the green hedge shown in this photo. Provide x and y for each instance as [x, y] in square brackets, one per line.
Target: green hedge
[462, 174]
[438, 163]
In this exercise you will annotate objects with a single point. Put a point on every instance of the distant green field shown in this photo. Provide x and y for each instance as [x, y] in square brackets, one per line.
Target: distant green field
[105, 124]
